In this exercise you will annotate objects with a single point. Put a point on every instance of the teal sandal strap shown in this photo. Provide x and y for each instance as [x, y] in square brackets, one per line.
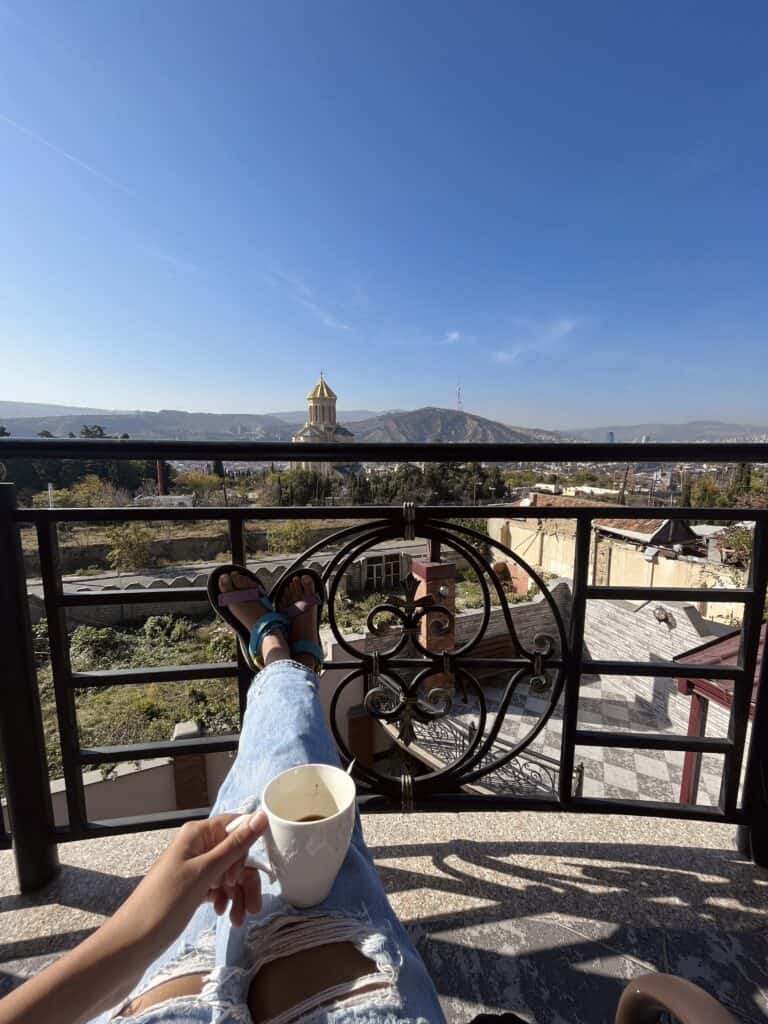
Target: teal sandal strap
[271, 622]
[309, 647]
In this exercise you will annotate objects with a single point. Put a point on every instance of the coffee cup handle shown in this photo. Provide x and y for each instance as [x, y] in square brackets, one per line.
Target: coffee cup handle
[250, 860]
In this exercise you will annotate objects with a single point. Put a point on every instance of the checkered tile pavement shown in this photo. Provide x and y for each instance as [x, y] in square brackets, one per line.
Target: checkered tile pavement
[620, 773]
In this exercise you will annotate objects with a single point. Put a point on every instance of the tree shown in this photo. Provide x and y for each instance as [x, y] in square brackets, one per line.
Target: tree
[686, 492]
[289, 537]
[129, 547]
[736, 543]
[45, 433]
[217, 468]
[742, 481]
[198, 481]
[705, 493]
[496, 485]
[4, 432]
[94, 431]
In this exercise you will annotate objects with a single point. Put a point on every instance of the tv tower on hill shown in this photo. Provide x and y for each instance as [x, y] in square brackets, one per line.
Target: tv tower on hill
[459, 403]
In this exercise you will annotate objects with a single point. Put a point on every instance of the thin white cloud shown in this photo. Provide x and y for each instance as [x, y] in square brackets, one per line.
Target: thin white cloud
[452, 338]
[171, 259]
[94, 171]
[152, 249]
[536, 336]
[299, 293]
[506, 355]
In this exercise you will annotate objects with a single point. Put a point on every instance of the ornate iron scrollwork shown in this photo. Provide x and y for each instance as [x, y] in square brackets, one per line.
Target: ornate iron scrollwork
[410, 611]
[407, 708]
[419, 691]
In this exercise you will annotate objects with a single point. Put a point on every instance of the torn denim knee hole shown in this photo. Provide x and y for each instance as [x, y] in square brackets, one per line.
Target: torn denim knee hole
[192, 958]
[287, 934]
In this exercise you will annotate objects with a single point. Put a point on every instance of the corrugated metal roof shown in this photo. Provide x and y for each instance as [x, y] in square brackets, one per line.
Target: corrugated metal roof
[646, 527]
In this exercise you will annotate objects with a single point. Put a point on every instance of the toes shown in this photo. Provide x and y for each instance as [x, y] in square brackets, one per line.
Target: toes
[308, 585]
[286, 596]
[225, 583]
[241, 582]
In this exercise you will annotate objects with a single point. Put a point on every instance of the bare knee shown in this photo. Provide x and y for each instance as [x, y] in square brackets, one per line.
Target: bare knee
[299, 977]
[184, 985]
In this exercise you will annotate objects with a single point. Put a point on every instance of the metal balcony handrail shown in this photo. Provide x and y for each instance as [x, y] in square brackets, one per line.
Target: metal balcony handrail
[564, 658]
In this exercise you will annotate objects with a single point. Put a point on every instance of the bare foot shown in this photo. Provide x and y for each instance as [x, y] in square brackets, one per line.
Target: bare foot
[303, 627]
[274, 647]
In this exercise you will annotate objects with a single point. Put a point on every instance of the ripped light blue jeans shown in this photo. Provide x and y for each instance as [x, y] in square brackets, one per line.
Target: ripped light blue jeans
[284, 726]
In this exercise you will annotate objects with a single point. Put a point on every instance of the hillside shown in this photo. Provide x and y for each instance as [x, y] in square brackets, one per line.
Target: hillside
[166, 425]
[445, 425]
[16, 410]
[419, 425]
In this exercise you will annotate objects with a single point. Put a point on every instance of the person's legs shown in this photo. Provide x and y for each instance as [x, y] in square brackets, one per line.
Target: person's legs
[372, 957]
[194, 950]
[350, 947]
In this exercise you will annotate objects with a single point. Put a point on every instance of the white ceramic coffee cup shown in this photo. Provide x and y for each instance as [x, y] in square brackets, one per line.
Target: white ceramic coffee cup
[306, 855]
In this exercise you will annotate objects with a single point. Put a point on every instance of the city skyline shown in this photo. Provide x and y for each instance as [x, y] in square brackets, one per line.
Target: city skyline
[561, 209]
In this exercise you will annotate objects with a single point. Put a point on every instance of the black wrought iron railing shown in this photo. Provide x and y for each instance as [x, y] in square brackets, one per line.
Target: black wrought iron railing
[403, 655]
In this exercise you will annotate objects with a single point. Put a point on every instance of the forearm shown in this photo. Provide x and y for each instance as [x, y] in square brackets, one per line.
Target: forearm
[89, 979]
[203, 862]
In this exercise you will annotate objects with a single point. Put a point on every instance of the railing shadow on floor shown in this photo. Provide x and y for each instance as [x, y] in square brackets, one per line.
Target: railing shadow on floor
[83, 891]
[552, 930]
[558, 940]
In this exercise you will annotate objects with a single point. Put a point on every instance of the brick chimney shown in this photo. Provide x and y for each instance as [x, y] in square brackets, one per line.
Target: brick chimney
[433, 578]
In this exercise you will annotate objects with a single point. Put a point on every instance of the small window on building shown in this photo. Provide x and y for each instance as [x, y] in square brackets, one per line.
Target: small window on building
[382, 572]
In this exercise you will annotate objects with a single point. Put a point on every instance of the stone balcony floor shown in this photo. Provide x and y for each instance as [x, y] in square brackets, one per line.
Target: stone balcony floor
[545, 914]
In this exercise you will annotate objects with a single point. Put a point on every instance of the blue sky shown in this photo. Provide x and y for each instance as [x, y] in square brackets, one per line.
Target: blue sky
[562, 205]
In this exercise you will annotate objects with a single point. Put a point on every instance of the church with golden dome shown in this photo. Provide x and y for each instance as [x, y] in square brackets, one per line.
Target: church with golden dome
[321, 426]
[321, 422]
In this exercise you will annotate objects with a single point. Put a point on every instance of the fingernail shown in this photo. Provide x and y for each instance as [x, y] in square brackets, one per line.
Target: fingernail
[256, 820]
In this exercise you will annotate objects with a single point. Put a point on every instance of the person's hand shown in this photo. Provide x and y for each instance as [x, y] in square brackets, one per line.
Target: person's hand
[203, 862]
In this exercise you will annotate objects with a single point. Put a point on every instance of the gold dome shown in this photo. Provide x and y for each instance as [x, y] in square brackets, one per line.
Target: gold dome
[321, 390]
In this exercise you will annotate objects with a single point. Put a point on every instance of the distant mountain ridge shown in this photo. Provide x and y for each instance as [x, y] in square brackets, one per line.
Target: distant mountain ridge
[444, 425]
[693, 432]
[418, 425]
[344, 415]
[27, 419]
[14, 410]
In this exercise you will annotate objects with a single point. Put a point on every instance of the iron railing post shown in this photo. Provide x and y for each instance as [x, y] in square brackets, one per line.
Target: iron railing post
[575, 656]
[239, 556]
[753, 837]
[21, 729]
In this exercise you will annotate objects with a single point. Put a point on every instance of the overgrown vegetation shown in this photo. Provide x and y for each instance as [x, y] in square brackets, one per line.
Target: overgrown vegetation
[469, 593]
[291, 536]
[129, 547]
[352, 613]
[736, 543]
[139, 714]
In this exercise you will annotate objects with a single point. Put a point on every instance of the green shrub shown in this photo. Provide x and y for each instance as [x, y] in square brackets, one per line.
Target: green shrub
[40, 642]
[289, 537]
[94, 647]
[129, 547]
[149, 709]
[222, 645]
[168, 627]
[352, 615]
[219, 717]
[470, 594]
